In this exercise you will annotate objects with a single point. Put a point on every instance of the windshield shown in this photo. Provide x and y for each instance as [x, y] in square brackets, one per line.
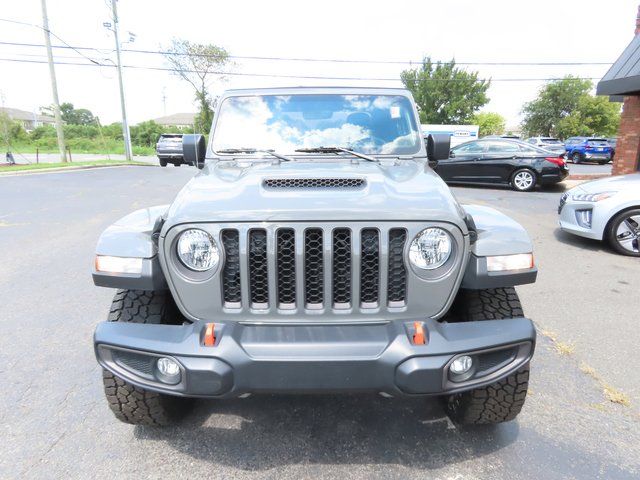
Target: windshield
[371, 124]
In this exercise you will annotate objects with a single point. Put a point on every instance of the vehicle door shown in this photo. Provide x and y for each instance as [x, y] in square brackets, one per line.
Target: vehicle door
[460, 165]
[498, 161]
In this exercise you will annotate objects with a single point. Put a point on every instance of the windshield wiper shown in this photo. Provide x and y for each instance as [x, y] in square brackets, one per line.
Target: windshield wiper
[255, 150]
[337, 150]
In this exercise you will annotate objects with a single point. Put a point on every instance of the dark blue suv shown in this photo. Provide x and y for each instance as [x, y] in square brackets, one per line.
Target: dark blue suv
[580, 149]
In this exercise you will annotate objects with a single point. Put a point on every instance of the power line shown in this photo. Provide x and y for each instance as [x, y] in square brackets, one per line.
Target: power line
[46, 30]
[319, 60]
[310, 77]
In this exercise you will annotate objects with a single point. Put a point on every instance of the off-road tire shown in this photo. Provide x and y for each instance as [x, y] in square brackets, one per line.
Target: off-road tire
[163, 162]
[177, 163]
[501, 401]
[129, 403]
[487, 304]
[576, 158]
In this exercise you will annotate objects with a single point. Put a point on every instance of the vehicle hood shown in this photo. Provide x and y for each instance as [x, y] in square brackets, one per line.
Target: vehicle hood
[394, 190]
[617, 183]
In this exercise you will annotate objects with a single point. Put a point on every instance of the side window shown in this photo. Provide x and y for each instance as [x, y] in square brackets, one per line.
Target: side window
[502, 147]
[466, 148]
[527, 150]
[532, 141]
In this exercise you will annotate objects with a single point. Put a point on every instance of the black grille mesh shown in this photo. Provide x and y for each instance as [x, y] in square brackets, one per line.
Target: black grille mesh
[342, 266]
[348, 183]
[313, 267]
[397, 281]
[312, 251]
[286, 266]
[231, 270]
[134, 361]
[369, 266]
[258, 279]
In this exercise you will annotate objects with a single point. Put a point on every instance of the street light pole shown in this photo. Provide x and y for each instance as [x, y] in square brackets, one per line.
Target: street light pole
[125, 125]
[54, 84]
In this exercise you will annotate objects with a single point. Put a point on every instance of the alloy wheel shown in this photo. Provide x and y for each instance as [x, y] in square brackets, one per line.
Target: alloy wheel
[628, 234]
[523, 180]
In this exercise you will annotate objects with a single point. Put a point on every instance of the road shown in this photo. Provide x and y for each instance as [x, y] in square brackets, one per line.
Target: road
[55, 423]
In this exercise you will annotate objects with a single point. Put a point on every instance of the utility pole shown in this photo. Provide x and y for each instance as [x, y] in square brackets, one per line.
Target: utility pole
[125, 125]
[54, 84]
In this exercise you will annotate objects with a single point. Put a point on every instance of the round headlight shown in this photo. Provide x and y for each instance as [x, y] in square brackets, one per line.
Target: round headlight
[197, 250]
[430, 249]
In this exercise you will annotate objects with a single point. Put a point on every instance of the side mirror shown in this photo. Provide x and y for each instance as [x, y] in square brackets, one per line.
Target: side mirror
[452, 154]
[194, 149]
[438, 146]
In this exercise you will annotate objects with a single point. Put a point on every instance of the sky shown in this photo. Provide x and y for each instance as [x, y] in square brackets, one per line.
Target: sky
[399, 31]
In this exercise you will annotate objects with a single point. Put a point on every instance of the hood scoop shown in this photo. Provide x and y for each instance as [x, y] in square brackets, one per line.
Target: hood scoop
[309, 183]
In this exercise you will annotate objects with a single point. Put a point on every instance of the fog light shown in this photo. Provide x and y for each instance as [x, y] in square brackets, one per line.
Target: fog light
[461, 365]
[168, 370]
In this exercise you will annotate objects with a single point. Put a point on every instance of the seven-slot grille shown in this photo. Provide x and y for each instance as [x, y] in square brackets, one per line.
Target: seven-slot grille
[314, 268]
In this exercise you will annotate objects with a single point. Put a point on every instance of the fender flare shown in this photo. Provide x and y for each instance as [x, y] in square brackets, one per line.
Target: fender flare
[133, 236]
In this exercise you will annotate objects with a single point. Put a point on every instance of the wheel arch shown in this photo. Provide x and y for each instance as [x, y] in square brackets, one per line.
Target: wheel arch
[614, 214]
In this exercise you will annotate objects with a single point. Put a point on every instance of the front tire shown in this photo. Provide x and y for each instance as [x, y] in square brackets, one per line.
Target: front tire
[523, 180]
[129, 403]
[623, 232]
[500, 401]
[163, 162]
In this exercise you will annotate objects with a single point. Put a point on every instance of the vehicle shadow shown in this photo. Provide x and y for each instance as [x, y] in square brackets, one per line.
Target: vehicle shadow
[555, 188]
[267, 431]
[581, 242]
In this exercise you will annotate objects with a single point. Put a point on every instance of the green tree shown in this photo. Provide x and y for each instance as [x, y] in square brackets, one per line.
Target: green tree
[592, 116]
[555, 101]
[445, 94]
[490, 123]
[196, 63]
[71, 115]
[145, 134]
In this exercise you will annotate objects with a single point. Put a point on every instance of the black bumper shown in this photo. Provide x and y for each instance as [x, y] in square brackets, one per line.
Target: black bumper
[314, 358]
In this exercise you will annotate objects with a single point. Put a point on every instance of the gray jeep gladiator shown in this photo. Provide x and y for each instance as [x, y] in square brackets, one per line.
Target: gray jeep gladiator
[316, 251]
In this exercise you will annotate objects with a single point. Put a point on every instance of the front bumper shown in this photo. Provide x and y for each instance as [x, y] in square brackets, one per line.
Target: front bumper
[579, 218]
[378, 357]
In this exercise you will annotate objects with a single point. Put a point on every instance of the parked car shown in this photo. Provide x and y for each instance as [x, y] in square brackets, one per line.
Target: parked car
[303, 265]
[548, 143]
[613, 142]
[502, 162]
[169, 149]
[606, 209]
[581, 149]
[507, 136]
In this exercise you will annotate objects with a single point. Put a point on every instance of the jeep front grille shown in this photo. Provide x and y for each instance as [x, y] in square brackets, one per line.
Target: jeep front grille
[314, 268]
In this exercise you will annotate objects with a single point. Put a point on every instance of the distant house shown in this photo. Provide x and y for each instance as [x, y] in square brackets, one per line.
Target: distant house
[177, 120]
[29, 120]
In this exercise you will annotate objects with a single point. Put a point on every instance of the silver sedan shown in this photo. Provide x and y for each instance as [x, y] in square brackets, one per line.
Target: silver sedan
[607, 209]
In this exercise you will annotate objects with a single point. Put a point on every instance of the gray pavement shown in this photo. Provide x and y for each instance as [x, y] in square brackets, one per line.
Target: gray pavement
[55, 423]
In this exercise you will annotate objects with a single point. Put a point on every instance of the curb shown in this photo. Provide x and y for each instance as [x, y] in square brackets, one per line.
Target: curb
[71, 168]
[587, 176]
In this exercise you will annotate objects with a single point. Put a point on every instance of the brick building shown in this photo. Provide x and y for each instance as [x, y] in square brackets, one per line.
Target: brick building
[622, 81]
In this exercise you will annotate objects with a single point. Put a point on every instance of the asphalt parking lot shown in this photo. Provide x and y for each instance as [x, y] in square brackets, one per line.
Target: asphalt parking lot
[55, 423]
